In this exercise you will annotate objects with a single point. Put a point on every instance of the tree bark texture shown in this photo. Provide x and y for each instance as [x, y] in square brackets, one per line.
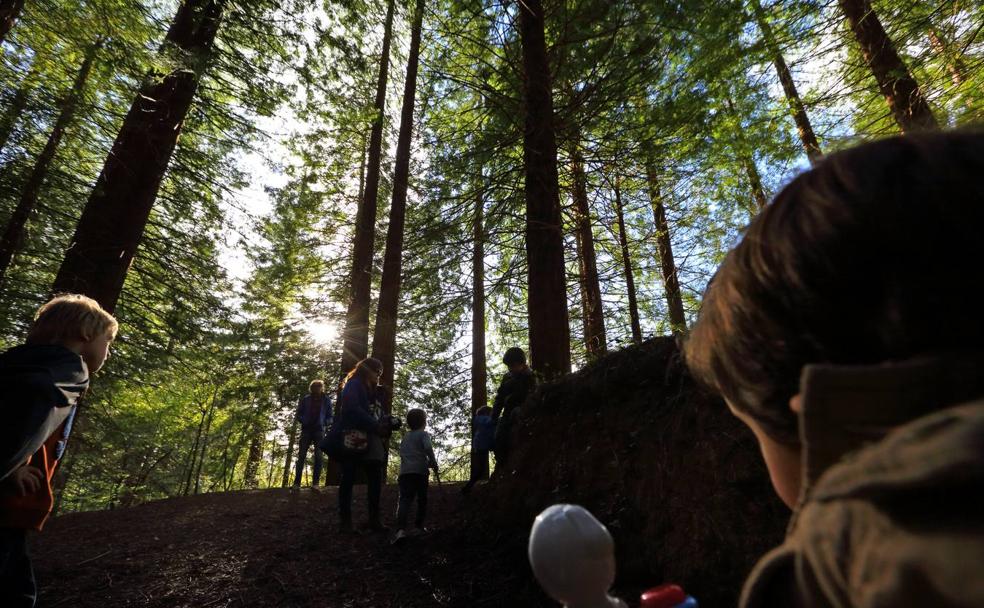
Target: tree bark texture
[592, 310]
[671, 283]
[251, 469]
[954, 63]
[10, 10]
[479, 373]
[291, 438]
[355, 336]
[623, 242]
[114, 218]
[14, 110]
[549, 325]
[807, 137]
[384, 336]
[13, 233]
[895, 81]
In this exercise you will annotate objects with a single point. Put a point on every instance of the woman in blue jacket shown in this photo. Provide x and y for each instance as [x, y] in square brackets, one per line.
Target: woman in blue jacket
[359, 409]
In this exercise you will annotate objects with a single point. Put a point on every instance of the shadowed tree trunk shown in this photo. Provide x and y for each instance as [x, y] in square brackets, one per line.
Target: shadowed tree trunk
[355, 336]
[623, 242]
[291, 438]
[251, 469]
[954, 62]
[592, 310]
[549, 325]
[201, 454]
[114, 218]
[13, 233]
[10, 10]
[895, 81]
[384, 337]
[671, 283]
[796, 108]
[479, 374]
[748, 164]
[14, 108]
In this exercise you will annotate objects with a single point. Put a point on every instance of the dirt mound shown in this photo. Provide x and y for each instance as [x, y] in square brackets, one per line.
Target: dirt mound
[272, 548]
[677, 479]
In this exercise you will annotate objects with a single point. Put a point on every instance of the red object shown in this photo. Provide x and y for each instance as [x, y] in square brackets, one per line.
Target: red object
[664, 596]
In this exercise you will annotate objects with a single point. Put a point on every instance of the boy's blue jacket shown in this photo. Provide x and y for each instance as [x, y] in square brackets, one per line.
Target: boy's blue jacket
[324, 417]
[42, 385]
[484, 438]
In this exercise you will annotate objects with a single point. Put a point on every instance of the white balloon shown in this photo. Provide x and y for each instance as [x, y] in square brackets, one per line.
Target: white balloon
[573, 557]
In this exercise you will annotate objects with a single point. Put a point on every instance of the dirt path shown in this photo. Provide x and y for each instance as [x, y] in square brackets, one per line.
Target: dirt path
[277, 548]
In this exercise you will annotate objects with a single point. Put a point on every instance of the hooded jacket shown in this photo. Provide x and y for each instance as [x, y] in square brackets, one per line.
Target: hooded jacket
[42, 385]
[891, 508]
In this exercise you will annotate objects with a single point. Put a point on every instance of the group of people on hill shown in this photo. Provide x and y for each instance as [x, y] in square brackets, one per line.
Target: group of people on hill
[843, 330]
[360, 410]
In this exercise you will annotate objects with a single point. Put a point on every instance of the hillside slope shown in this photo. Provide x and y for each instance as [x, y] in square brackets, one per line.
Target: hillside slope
[677, 479]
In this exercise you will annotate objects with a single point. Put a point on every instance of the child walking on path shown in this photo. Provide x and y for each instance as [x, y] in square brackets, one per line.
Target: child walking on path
[416, 456]
[43, 381]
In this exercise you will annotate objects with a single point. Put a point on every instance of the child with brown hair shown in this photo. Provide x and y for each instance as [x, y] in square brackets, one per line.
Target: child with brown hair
[845, 331]
[43, 381]
[416, 457]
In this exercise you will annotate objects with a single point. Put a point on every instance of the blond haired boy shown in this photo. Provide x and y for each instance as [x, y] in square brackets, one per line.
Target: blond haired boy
[43, 381]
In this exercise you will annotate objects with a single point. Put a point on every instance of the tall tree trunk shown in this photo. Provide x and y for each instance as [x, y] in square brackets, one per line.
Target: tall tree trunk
[671, 283]
[15, 107]
[479, 374]
[623, 241]
[201, 455]
[897, 85]
[10, 10]
[592, 310]
[754, 180]
[355, 336]
[12, 237]
[254, 457]
[954, 62]
[186, 489]
[384, 337]
[291, 438]
[748, 164]
[807, 137]
[114, 218]
[549, 325]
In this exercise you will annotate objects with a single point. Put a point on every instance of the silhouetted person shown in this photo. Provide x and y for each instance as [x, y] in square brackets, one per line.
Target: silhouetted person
[314, 414]
[513, 390]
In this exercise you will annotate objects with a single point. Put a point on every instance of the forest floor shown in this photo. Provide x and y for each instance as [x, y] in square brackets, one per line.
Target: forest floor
[278, 548]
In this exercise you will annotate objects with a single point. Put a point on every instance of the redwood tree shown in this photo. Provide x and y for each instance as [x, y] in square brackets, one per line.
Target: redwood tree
[549, 325]
[479, 373]
[355, 336]
[592, 310]
[10, 10]
[384, 337]
[623, 242]
[12, 235]
[895, 81]
[671, 283]
[114, 218]
[807, 137]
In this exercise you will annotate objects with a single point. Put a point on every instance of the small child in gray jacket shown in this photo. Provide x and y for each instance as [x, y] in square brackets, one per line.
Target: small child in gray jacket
[416, 457]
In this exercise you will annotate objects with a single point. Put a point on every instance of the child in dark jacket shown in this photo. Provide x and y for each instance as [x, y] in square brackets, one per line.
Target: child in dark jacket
[416, 457]
[43, 381]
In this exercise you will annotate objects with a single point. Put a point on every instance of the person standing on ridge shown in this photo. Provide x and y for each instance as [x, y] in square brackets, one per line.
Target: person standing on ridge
[513, 390]
[314, 414]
